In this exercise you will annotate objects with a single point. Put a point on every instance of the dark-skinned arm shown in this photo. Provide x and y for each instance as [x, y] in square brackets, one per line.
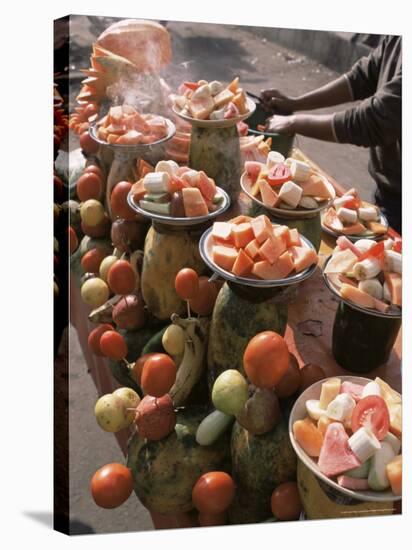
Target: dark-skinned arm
[314, 126]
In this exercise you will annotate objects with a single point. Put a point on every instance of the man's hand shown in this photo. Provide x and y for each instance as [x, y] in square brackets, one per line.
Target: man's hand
[277, 102]
[281, 125]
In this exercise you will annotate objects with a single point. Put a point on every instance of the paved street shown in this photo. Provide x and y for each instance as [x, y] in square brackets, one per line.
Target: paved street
[210, 52]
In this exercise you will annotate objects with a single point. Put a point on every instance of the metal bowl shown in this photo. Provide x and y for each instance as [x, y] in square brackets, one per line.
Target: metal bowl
[138, 146]
[353, 238]
[205, 248]
[296, 213]
[298, 413]
[170, 220]
[224, 123]
[367, 311]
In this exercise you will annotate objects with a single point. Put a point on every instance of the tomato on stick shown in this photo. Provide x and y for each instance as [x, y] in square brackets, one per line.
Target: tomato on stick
[371, 412]
[111, 485]
[187, 285]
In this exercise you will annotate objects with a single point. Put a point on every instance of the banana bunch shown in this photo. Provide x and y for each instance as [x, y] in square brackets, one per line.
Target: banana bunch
[189, 357]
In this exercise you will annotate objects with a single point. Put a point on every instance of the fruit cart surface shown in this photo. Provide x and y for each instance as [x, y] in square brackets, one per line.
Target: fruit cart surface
[308, 335]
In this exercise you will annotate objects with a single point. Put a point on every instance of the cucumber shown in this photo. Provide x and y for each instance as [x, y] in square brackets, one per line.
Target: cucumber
[377, 478]
[361, 472]
[158, 208]
[157, 197]
[212, 427]
[217, 199]
[154, 345]
[393, 441]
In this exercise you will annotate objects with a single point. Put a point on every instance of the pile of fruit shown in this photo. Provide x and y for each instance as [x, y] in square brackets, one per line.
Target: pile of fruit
[254, 247]
[204, 100]
[124, 125]
[353, 432]
[368, 273]
[286, 183]
[350, 215]
[177, 191]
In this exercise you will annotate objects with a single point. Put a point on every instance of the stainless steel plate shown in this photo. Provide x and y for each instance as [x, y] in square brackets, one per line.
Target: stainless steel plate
[225, 123]
[354, 238]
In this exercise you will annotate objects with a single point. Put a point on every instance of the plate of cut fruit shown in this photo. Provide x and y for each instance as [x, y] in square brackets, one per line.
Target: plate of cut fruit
[349, 215]
[289, 188]
[124, 127]
[367, 275]
[348, 431]
[257, 252]
[178, 195]
[212, 104]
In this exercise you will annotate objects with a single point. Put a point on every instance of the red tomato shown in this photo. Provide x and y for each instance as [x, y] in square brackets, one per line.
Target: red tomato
[191, 85]
[121, 278]
[285, 501]
[73, 240]
[89, 186]
[204, 301]
[94, 338]
[158, 374]
[213, 492]
[113, 345]
[118, 201]
[111, 485]
[88, 144]
[138, 365]
[371, 412]
[352, 203]
[187, 283]
[266, 359]
[92, 259]
[290, 381]
[279, 174]
[94, 169]
[309, 374]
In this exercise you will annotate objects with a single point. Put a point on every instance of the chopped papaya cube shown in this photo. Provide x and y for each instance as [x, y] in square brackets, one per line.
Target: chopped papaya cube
[243, 264]
[240, 219]
[138, 190]
[224, 256]
[233, 86]
[303, 257]
[194, 203]
[242, 234]
[394, 473]
[269, 197]
[309, 437]
[252, 249]
[222, 231]
[295, 239]
[283, 232]
[272, 248]
[279, 270]
[262, 228]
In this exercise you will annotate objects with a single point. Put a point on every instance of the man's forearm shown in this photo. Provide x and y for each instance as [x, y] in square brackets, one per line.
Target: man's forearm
[314, 126]
[334, 93]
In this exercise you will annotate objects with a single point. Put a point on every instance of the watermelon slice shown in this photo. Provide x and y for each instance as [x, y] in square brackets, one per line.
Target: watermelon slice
[336, 456]
[354, 390]
[253, 169]
[207, 186]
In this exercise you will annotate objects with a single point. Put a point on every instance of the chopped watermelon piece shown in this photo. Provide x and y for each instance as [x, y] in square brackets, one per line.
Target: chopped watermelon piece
[243, 264]
[269, 197]
[242, 234]
[207, 186]
[353, 483]
[193, 202]
[303, 257]
[272, 248]
[279, 174]
[222, 232]
[394, 282]
[309, 437]
[335, 455]
[253, 169]
[354, 390]
[397, 245]
[375, 251]
[262, 228]
[252, 249]
[353, 203]
[224, 256]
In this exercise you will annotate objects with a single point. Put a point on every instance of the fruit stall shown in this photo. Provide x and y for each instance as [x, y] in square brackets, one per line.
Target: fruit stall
[238, 310]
